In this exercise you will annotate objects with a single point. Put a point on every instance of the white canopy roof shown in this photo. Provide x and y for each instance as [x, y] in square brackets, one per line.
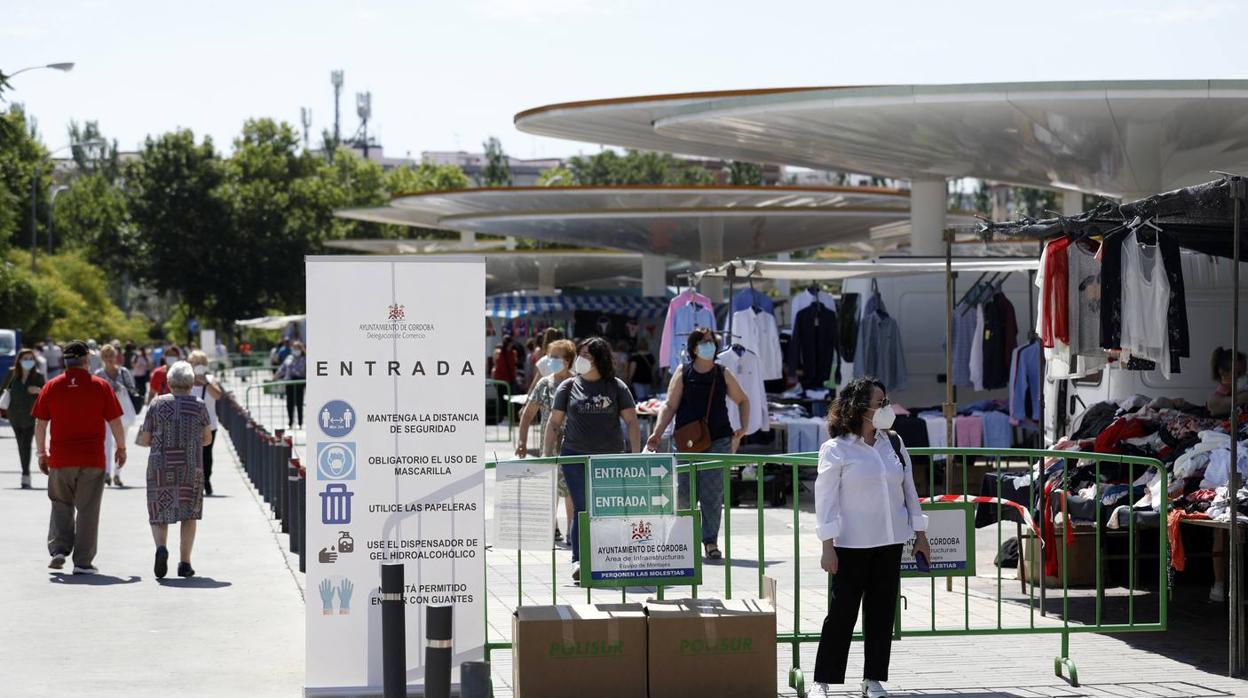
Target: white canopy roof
[276, 322]
[899, 266]
[707, 224]
[1111, 137]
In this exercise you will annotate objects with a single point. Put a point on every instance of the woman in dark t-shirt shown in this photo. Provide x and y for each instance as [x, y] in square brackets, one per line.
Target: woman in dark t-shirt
[588, 408]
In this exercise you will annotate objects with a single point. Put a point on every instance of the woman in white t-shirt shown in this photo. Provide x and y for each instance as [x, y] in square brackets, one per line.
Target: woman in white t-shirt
[866, 509]
[208, 391]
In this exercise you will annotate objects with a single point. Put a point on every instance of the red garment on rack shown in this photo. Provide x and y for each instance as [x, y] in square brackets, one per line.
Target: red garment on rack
[1050, 540]
[1178, 558]
[1120, 430]
[1056, 302]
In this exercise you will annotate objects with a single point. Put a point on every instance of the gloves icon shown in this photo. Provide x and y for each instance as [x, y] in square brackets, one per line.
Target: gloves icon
[327, 556]
[327, 597]
[344, 597]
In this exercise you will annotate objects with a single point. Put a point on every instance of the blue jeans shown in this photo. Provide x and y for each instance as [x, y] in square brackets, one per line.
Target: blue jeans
[574, 476]
[710, 492]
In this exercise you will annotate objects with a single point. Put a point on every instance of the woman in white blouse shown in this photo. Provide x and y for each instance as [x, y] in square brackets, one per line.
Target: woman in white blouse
[866, 509]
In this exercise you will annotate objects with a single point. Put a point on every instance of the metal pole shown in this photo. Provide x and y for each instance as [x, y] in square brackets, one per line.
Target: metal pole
[1235, 602]
[474, 680]
[393, 633]
[950, 406]
[438, 651]
[34, 193]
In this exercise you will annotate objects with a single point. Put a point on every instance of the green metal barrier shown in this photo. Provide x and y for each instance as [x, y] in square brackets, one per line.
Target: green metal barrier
[272, 413]
[960, 462]
[503, 410]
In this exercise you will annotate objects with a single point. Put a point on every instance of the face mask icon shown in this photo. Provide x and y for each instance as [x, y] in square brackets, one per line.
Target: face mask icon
[335, 460]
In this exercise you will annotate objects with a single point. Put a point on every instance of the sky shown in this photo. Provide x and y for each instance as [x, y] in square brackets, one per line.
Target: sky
[447, 74]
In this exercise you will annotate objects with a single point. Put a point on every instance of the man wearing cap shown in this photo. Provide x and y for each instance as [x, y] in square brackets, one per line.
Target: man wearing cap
[77, 405]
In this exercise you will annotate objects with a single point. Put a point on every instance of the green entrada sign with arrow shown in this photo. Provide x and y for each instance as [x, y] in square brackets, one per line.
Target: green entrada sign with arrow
[632, 484]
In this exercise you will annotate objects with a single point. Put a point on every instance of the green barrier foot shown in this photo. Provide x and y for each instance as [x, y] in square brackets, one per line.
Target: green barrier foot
[1058, 663]
[797, 681]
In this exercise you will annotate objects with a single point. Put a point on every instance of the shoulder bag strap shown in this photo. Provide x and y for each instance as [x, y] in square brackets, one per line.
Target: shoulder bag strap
[895, 440]
[710, 399]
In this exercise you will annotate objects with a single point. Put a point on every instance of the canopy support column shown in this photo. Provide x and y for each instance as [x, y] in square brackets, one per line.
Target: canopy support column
[1072, 203]
[928, 204]
[467, 236]
[653, 276]
[711, 237]
[546, 276]
[1235, 578]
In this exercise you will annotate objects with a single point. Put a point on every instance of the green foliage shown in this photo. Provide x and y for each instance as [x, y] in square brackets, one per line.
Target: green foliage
[745, 173]
[427, 177]
[556, 177]
[497, 172]
[92, 215]
[21, 155]
[634, 167]
[67, 298]
[1034, 202]
[92, 153]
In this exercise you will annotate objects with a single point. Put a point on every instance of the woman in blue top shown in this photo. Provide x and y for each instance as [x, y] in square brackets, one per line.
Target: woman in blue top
[294, 368]
[700, 390]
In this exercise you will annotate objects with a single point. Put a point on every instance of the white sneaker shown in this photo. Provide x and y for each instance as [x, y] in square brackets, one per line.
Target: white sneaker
[822, 690]
[89, 569]
[873, 689]
[1216, 593]
[25, 482]
[58, 561]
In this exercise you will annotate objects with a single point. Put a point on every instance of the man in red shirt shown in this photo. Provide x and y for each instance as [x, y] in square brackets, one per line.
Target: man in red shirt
[159, 383]
[78, 406]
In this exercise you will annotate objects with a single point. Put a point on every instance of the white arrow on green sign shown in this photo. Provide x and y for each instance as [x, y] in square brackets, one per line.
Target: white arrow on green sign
[632, 484]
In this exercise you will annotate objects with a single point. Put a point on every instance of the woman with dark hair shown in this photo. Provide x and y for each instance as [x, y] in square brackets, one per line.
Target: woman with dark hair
[587, 411]
[23, 383]
[699, 392]
[1224, 375]
[866, 509]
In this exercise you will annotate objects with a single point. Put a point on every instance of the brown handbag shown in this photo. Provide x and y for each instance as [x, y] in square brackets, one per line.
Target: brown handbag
[695, 437]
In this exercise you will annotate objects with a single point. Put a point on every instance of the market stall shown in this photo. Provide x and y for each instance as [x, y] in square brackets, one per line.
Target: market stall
[1127, 298]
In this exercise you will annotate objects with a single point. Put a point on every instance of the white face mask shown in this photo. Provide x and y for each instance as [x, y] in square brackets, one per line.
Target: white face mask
[297, 352]
[582, 366]
[883, 418]
[171, 360]
[555, 366]
[201, 370]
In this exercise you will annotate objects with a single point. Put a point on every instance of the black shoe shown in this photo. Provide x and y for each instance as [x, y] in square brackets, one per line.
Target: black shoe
[558, 535]
[576, 575]
[162, 562]
[185, 570]
[207, 488]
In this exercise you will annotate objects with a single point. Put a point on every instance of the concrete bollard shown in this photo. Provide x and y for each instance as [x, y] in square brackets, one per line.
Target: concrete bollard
[474, 680]
[393, 633]
[438, 650]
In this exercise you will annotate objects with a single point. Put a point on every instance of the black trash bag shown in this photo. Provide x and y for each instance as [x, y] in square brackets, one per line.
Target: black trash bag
[1008, 556]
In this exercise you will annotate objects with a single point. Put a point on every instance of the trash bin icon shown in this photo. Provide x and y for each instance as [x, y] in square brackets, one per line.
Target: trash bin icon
[336, 504]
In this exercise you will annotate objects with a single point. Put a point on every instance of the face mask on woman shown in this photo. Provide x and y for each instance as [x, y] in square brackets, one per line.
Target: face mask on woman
[582, 365]
[201, 370]
[297, 352]
[706, 350]
[171, 360]
[884, 417]
[28, 364]
[554, 366]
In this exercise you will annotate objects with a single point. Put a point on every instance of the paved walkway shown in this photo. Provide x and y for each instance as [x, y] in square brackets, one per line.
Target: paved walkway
[236, 630]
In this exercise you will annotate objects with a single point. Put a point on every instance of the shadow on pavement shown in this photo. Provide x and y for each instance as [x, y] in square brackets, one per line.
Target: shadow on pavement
[32, 488]
[92, 580]
[194, 583]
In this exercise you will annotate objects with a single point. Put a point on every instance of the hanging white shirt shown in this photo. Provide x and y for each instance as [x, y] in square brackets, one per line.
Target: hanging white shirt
[864, 498]
[1145, 304]
[977, 350]
[748, 372]
[757, 332]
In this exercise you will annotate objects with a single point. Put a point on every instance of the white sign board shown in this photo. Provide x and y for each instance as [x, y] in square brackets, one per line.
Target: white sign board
[633, 550]
[208, 343]
[524, 505]
[395, 473]
[951, 536]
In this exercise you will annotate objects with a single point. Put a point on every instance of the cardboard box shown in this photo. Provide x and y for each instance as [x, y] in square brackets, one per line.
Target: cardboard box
[1081, 558]
[708, 647]
[579, 651]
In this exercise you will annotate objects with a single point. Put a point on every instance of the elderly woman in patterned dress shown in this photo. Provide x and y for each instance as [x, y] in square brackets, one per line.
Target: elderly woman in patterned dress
[176, 428]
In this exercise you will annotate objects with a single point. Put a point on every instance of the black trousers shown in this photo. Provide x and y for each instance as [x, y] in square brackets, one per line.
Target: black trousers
[294, 403]
[24, 436]
[208, 458]
[870, 577]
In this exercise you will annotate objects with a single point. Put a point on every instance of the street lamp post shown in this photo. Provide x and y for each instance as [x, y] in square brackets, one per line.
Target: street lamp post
[51, 203]
[63, 67]
[34, 198]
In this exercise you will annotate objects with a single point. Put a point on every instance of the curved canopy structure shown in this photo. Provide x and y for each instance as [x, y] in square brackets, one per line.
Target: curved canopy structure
[527, 270]
[1115, 137]
[706, 224]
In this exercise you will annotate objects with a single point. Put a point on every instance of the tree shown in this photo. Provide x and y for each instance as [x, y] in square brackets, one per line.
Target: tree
[745, 173]
[556, 177]
[427, 177]
[497, 172]
[99, 157]
[21, 155]
[1034, 202]
[188, 246]
[92, 215]
[609, 168]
